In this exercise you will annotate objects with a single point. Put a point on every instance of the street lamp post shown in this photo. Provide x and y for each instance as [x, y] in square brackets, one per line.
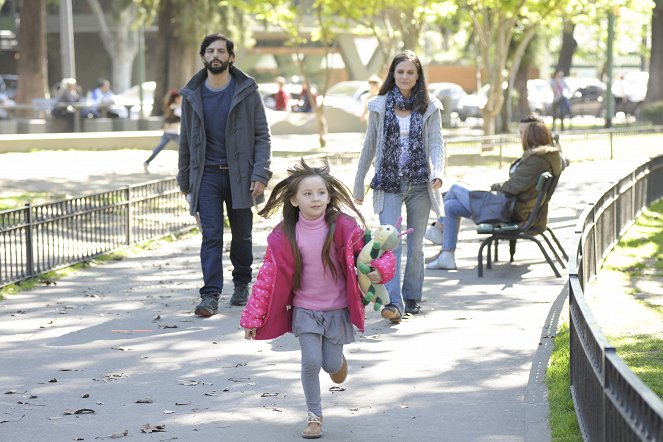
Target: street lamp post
[610, 105]
[67, 39]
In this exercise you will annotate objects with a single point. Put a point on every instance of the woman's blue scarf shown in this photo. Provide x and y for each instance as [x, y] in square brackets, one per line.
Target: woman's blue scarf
[388, 175]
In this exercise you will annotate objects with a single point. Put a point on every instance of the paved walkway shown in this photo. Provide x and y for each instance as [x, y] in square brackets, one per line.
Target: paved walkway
[115, 348]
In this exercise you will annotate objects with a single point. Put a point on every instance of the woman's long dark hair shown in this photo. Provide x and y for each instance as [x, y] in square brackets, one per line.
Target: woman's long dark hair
[340, 198]
[536, 134]
[420, 90]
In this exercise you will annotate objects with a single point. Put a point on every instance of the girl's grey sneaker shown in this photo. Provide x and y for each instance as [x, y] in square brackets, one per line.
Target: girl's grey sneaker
[208, 306]
[240, 295]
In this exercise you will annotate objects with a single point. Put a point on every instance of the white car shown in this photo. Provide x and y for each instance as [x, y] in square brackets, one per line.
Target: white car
[539, 96]
[444, 90]
[470, 105]
[347, 95]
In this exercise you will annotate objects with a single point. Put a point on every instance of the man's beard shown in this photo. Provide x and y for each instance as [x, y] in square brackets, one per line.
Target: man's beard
[217, 69]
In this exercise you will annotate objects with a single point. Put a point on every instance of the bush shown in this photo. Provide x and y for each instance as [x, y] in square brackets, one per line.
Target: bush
[653, 111]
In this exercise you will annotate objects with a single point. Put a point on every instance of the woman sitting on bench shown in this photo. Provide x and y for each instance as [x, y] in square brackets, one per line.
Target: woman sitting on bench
[540, 154]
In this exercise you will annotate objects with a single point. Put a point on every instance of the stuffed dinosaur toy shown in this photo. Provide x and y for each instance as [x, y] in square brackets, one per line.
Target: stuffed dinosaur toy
[377, 254]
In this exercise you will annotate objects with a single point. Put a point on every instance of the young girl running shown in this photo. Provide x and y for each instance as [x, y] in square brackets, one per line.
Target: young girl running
[307, 283]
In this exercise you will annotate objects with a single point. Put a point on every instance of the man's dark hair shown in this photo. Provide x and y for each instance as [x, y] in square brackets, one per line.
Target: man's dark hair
[208, 40]
[531, 119]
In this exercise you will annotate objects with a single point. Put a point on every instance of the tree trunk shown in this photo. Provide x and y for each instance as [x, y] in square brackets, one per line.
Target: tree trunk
[521, 87]
[121, 46]
[31, 66]
[177, 57]
[569, 45]
[655, 84]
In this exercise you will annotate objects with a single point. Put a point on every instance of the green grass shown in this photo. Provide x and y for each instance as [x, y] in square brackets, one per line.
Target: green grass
[11, 202]
[562, 418]
[644, 355]
[638, 257]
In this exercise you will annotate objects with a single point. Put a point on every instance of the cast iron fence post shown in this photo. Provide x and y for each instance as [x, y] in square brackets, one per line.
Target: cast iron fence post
[29, 258]
[128, 220]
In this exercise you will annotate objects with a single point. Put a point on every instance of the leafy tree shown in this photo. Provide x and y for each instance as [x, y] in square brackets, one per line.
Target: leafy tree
[495, 24]
[121, 44]
[395, 25]
[182, 24]
[293, 19]
[590, 20]
[655, 84]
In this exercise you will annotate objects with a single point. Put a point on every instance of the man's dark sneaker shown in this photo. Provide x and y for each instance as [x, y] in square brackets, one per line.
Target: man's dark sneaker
[240, 295]
[412, 307]
[208, 306]
[392, 312]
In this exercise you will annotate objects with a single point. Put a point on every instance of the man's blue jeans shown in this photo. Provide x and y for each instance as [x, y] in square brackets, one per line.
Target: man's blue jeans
[214, 192]
[417, 206]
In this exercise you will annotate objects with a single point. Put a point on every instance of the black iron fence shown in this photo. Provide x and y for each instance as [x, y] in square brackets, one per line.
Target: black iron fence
[40, 238]
[611, 402]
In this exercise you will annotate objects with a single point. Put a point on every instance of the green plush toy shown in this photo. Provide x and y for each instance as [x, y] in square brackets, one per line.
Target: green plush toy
[377, 254]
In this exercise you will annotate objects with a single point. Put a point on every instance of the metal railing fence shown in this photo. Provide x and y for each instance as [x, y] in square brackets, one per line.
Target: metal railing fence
[465, 154]
[611, 402]
[40, 238]
[37, 239]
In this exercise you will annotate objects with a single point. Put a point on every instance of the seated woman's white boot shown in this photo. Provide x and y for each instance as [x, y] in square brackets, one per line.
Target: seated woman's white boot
[446, 261]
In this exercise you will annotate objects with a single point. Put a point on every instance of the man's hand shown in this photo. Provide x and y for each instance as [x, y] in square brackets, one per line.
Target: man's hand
[436, 183]
[257, 188]
[249, 333]
[359, 202]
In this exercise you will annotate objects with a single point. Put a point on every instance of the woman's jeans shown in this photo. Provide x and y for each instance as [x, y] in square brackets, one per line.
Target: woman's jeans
[165, 138]
[456, 204]
[417, 205]
[214, 192]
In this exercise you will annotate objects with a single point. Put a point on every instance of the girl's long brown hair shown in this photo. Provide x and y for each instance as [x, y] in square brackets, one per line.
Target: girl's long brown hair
[340, 200]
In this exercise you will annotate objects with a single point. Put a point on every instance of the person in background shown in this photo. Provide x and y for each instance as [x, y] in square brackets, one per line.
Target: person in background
[5, 101]
[374, 83]
[307, 284]
[102, 102]
[404, 143]
[561, 106]
[306, 99]
[281, 97]
[68, 96]
[224, 158]
[172, 111]
[540, 154]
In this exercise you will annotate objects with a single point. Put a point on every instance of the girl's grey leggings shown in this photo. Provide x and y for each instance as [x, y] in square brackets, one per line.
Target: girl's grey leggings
[317, 352]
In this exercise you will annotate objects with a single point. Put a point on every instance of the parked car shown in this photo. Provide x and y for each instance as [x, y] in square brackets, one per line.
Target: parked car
[8, 85]
[447, 91]
[539, 96]
[588, 96]
[630, 90]
[347, 95]
[470, 105]
[131, 99]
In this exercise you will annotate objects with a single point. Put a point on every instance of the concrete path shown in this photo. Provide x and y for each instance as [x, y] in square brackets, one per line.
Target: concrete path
[114, 351]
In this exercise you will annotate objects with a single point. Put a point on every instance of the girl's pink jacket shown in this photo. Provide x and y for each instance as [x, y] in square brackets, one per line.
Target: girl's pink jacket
[269, 308]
